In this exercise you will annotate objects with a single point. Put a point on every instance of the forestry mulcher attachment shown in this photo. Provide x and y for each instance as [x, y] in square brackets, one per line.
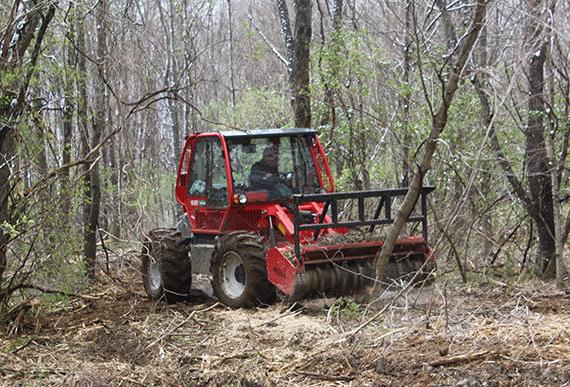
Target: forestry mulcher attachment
[262, 217]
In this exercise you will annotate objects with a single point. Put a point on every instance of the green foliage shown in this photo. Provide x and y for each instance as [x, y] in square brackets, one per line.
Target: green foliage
[48, 252]
[54, 301]
[255, 108]
[17, 342]
[148, 197]
[47, 246]
[346, 57]
[10, 229]
[258, 52]
[346, 308]
[342, 68]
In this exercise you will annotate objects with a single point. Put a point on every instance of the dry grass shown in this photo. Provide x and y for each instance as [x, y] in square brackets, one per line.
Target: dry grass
[444, 335]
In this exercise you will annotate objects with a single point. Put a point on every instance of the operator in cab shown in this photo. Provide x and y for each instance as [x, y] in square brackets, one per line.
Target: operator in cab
[264, 174]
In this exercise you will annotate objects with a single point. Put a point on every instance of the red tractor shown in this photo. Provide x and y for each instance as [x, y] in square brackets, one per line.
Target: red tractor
[262, 217]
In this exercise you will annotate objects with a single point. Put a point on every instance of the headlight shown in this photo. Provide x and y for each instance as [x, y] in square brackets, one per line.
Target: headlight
[240, 199]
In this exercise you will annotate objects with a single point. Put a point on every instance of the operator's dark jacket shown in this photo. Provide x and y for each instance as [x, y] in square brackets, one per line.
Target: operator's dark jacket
[258, 172]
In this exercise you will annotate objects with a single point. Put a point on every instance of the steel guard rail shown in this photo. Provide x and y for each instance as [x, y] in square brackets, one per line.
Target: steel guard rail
[331, 201]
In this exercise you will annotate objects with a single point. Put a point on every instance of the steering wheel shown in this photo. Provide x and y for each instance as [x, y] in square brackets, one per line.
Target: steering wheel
[286, 178]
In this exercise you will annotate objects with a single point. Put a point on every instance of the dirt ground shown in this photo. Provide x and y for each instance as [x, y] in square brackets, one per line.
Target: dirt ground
[446, 334]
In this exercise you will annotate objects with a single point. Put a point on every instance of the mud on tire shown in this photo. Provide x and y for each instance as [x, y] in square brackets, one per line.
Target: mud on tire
[239, 274]
[166, 267]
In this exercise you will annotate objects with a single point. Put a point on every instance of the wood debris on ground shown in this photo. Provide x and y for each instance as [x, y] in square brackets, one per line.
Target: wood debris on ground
[467, 335]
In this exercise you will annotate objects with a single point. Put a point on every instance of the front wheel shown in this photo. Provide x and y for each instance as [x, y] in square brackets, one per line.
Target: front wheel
[239, 275]
[166, 268]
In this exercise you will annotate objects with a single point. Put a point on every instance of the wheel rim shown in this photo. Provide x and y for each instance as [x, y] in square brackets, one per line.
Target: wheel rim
[233, 275]
[154, 276]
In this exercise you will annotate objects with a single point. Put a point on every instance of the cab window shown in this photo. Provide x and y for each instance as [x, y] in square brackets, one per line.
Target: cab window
[208, 172]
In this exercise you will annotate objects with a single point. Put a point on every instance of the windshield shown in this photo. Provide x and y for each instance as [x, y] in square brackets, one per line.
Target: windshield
[278, 166]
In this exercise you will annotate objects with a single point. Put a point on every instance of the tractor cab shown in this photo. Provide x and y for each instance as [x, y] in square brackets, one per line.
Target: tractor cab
[229, 180]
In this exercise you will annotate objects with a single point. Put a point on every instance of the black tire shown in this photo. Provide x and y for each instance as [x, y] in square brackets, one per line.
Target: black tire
[166, 267]
[239, 274]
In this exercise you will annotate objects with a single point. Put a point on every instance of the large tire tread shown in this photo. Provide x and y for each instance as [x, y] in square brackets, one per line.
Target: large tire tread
[251, 248]
[170, 250]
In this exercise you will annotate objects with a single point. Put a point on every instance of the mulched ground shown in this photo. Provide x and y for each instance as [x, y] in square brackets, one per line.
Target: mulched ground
[446, 334]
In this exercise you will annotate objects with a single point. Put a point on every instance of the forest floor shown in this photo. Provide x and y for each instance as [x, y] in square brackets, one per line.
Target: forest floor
[445, 334]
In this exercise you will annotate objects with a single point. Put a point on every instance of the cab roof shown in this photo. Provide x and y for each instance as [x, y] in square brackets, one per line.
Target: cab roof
[280, 132]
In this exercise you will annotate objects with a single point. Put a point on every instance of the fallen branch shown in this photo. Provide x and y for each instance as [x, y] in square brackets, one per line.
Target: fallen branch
[15, 351]
[49, 291]
[460, 359]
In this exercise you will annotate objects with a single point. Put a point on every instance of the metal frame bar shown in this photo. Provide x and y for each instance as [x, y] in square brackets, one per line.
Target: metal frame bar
[331, 200]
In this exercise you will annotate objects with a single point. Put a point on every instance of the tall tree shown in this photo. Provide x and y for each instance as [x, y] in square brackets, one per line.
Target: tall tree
[28, 21]
[537, 197]
[537, 165]
[301, 62]
[231, 49]
[298, 46]
[90, 248]
[287, 36]
[330, 78]
[82, 116]
[405, 98]
[69, 106]
[171, 74]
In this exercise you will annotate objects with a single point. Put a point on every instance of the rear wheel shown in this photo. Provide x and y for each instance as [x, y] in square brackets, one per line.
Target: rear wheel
[166, 267]
[239, 274]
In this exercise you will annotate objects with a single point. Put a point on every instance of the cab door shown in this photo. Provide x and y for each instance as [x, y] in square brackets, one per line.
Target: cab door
[181, 190]
[208, 196]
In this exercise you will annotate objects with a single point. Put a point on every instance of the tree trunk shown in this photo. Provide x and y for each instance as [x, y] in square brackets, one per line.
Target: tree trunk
[485, 186]
[287, 36]
[537, 168]
[231, 48]
[68, 111]
[557, 169]
[405, 97]
[301, 61]
[90, 248]
[190, 120]
[82, 117]
[7, 152]
[171, 76]
[113, 224]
